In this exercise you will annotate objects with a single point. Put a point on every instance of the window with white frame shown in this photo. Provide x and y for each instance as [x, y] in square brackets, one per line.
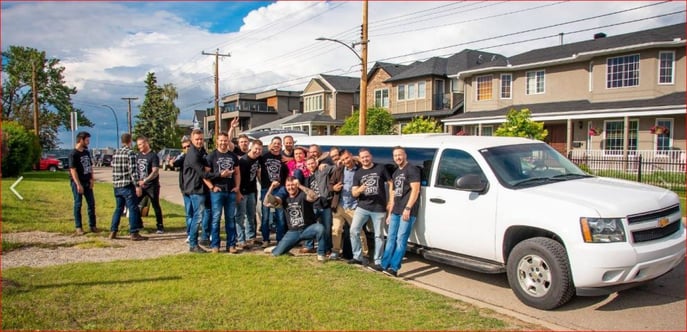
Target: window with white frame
[666, 67]
[421, 92]
[382, 98]
[411, 91]
[487, 130]
[484, 87]
[401, 92]
[663, 141]
[615, 135]
[455, 85]
[535, 82]
[313, 103]
[622, 71]
[506, 86]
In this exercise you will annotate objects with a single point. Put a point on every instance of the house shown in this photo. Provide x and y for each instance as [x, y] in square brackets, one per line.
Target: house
[423, 88]
[610, 95]
[327, 101]
[253, 109]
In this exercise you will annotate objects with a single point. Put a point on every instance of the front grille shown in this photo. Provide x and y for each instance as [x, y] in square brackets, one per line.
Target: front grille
[653, 215]
[656, 233]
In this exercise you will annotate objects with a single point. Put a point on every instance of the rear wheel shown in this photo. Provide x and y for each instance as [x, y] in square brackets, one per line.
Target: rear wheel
[52, 168]
[539, 273]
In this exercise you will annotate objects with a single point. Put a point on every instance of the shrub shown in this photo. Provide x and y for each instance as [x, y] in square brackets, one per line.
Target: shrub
[23, 149]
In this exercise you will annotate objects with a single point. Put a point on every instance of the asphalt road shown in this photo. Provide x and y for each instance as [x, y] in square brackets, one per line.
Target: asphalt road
[659, 305]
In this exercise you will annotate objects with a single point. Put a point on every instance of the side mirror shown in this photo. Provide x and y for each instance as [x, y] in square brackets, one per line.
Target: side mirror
[472, 182]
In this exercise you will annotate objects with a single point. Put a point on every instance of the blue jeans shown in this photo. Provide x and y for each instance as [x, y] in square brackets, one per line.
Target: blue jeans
[292, 237]
[359, 219]
[90, 201]
[188, 209]
[396, 241]
[207, 218]
[198, 207]
[125, 196]
[245, 218]
[265, 224]
[223, 201]
[324, 217]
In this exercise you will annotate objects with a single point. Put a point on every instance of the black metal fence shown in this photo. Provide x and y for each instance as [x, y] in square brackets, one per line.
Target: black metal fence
[668, 173]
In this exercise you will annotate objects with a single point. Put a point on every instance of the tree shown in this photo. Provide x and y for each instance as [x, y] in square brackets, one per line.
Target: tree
[22, 147]
[54, 96]
[379, 122]
[158, 117]
[519, 124]
[422, 125]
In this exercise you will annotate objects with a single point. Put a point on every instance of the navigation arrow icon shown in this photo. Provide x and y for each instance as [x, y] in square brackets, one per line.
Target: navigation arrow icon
[14, 185]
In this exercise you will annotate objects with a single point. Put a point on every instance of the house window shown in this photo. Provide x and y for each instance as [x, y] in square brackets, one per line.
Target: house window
[506, 86]
[313, 103]
[663, 141]
[484, 89]
[382, 98]
[666, 67]
[622, 71]
[455, 85]
[401, 92]
[421, 93]
[615, 134]
[535, 82]
[411, 91]
[487, 131]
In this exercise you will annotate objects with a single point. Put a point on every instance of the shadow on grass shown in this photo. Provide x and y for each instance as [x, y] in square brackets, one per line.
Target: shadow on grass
[92, 283]
[43, 176]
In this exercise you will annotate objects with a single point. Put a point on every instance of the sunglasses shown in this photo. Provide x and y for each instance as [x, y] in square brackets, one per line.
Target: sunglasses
[185, 146]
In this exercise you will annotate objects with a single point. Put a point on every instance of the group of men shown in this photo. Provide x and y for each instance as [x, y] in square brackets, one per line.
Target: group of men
[134, 177]
[306, 196]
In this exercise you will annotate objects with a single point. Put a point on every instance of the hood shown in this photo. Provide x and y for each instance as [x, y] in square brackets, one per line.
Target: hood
[609, 197]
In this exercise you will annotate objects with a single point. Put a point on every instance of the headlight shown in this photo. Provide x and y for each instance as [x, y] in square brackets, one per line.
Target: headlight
[602, 230]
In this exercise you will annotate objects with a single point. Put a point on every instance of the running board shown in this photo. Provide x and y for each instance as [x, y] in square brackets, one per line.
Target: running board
[460, 261]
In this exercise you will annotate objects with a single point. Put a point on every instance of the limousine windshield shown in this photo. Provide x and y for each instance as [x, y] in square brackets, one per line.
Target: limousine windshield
[527, 165]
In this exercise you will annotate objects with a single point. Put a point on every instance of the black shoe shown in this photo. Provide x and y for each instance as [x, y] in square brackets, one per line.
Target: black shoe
[137, 237]
[205, 243]
[355, 262]
[375, 267]
[391, 272]
[197, 250]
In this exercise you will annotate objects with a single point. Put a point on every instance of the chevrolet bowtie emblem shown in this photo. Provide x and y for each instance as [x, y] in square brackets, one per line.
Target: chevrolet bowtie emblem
[663, 222]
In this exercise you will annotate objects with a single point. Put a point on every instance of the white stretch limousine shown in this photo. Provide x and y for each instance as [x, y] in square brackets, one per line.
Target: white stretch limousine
[515, 205]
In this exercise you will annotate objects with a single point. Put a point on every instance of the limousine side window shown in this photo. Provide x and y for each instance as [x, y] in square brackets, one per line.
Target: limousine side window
[454, 164]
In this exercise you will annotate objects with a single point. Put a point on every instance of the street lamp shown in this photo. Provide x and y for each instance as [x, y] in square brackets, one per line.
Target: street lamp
[363, 79]
[116, 123]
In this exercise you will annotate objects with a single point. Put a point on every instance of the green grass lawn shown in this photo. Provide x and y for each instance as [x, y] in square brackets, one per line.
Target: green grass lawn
[204, 292]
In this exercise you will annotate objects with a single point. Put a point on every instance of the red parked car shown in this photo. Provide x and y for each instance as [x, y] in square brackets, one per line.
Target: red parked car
[50, 164]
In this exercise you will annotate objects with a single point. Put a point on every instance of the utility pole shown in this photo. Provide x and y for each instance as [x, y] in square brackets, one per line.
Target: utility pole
[217, 117]
[128, 114]
[34, 92]
[362, 129]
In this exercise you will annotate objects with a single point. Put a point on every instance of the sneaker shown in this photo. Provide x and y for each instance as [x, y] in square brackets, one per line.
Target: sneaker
[391, 272]
[205, 243]
[197, 250]
[188, 239]
[305, 250]
[268, 250]
[233, 250]
[215, 250]
[95, 230]
[137, 237]
[78, 231]
[334, 256]
[112, 236]
[160, 231]
[375, 267]
[321, 258]
[354, 262]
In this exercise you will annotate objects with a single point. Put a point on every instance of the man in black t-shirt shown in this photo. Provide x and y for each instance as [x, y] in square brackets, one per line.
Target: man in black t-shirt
[249, 164]
[225, 176]
[82, 181]
[148, 164]
[300, 218]
[272, 169]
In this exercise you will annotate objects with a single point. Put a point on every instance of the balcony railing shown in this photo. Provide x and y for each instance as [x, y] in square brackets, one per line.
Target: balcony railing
[660, 168]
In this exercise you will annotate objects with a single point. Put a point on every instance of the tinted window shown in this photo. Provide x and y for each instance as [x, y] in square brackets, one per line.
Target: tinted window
[455, 164]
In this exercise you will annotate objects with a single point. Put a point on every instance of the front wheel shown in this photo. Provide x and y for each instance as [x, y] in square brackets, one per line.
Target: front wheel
[539, 273]
[52, 168]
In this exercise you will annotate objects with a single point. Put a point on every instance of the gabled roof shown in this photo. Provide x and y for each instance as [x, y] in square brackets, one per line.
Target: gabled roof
[581, 51]
[342, 83]
[437, 66]
[313, 117]
[199, 115]
[671, 103]
[392, 69]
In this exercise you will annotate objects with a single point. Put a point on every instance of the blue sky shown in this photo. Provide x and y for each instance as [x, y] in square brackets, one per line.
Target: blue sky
[108, 48]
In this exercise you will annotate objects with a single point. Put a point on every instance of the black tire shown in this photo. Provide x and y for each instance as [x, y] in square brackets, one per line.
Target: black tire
[52, 168]
[539, 273]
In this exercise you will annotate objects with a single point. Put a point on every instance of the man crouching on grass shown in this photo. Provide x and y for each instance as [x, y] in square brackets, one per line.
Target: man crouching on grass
[300, 217]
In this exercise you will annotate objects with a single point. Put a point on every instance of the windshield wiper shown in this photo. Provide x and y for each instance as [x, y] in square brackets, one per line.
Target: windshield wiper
[571, 176]
[534, 181]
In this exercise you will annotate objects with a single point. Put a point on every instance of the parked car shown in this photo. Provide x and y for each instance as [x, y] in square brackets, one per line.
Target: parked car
[166, 157]
[50, 163]
[107, 160]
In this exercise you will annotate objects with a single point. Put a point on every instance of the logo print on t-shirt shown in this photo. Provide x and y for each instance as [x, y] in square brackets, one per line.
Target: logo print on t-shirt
[142, 168]
[225, 164]
[371, 183]
[295, 215]
[273, 169]
[398, 185]
[86, 163]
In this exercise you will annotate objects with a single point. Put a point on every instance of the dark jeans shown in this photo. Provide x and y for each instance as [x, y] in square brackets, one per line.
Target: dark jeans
[90, 200]
[292, 237]
[280, 220]
[153, 194]
[324, 217]
[126, 196]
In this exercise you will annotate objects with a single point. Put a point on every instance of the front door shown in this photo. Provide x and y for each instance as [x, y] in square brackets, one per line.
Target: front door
[557, 136]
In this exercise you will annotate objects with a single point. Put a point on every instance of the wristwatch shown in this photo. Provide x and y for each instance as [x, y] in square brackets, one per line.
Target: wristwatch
[407, 208]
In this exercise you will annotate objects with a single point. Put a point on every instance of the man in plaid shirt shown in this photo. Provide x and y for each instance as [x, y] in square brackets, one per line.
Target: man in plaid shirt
[126, 189]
